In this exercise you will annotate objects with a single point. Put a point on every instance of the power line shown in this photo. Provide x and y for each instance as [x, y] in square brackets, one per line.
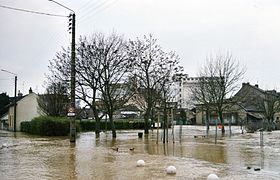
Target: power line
[29, 11]
[6, 79]
[90, 8]
[85, 5]
[96, 10]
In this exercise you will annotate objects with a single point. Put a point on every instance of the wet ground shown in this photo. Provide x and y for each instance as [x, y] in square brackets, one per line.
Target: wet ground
[193, 154]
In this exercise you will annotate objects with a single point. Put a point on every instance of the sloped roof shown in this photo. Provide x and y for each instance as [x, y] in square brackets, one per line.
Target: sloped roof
[248, 95]
[256, 115]
[130, 107]
[4, 117]
[11, 103]
[18, 98]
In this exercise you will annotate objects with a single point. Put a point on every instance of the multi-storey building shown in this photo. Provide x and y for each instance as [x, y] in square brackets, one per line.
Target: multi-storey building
[183, 91]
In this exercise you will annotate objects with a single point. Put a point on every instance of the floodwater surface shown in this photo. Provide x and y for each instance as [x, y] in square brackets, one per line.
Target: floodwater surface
[193, 154]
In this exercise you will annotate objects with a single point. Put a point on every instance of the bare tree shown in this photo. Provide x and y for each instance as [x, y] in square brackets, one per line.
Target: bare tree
[201, 94]
[4, 101]
[87, 74]
[220, 78]
[114, 72]
[152, 67]
[55, 100]
[102, 69]
[269, 105]
[168, 71]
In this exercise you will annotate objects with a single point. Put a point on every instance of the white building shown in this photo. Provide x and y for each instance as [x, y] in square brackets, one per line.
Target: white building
[183, 94]
[27, 108]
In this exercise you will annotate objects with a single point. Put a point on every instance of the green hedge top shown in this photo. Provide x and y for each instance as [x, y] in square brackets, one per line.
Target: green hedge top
[60, 126]
[47, 126]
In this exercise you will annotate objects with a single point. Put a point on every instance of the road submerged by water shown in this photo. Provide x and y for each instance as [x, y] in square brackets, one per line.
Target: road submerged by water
[193, 154]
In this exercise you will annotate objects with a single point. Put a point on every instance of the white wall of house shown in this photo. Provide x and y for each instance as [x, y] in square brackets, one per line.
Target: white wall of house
[27, 109]
[11, 118]
[183, 94]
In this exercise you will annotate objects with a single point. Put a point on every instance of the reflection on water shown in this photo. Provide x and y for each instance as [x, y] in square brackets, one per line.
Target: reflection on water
[194, 156]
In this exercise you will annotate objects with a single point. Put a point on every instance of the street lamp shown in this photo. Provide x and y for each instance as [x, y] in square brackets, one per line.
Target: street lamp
[71, 111]
[15, 98]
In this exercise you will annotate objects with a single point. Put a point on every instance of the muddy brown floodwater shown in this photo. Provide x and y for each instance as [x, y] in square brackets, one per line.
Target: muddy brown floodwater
[24, 156]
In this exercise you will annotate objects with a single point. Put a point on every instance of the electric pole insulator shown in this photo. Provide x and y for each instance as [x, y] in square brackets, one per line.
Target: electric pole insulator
[70, 23]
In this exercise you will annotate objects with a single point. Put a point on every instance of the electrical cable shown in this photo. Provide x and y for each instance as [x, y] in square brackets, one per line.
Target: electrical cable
[34, 12]
[90, 9]
[6, 79]
[85, 6]
[98, 10]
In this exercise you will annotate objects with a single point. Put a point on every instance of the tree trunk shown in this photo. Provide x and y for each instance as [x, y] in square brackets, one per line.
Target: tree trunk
[106, 123]
[167, 124]
[146, 118]
[97, 121]
[269, 126]
[223, 129]
[207, 122]
[216, 131]
[230, 121]
[97, 128]
[164, 124]
[222, 122]
[152, 123]
[114, 134]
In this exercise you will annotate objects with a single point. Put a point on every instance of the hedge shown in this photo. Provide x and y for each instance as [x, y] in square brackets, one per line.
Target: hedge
[119, 125]
[47, 126]
[59, 126]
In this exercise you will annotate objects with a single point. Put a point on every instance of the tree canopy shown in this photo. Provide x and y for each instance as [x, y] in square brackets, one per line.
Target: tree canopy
[4, 101]
[111, 70]
[153, 70]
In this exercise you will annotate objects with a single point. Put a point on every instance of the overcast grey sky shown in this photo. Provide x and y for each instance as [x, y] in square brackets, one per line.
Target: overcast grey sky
[249, 29]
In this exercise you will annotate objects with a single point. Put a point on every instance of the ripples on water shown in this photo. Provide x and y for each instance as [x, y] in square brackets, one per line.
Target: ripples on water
[32, 157]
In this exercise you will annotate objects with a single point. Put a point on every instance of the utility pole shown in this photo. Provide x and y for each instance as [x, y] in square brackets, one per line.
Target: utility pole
[72, 109]
[73, 82]
[15, 106]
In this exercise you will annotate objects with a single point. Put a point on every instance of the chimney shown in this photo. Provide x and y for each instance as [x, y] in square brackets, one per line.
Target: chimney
[244, 84]
[256, 85]
[30, 90]
[19, 94]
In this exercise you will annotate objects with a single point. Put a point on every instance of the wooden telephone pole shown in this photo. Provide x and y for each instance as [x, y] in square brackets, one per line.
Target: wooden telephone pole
[72, 109]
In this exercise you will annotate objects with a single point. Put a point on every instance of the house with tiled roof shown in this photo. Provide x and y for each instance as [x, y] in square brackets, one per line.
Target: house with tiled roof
[245, 107]
[258, 104]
